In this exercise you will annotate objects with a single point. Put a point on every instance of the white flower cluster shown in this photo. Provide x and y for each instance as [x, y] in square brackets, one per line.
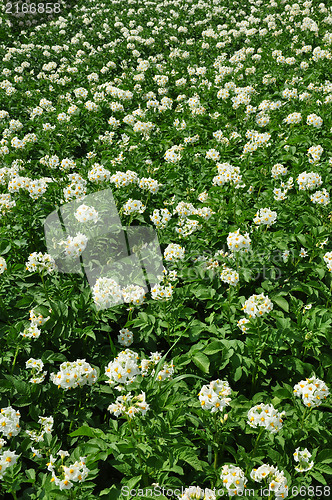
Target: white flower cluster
[125, 337]
[106, 293]
[233, 479]
[293, 118]
[3, 265]
[37, 319]
[7, 459]
[76, 189]
[122, 179]
[212, 154]
[66, 164]
[257, 305]
[303, 457]
[74, 246]
[133, 294]
[314, 154]
[84, 213]
[165, 373]
[6, 203]
[73, 473]
[50, 161]
[133, 206]
[161, 292]
[314, 120]
[74, 374]
[229, 276]
[214, 396]
[149, 184]
[197, 493]
[242, 324]
[36, 365]
[9, 421]
[32, 332]
[40, 263]
[312, 390]
[237, 242]
[98, 174]
[256, 140]
[123, 369]
[277, 170]
[277, 482]
[227, 174]
[309, 181]
[265, 416]
[46, 427]
[265, 217]
[173, 155]
[129, 405]
[17, 183]
[328, 260]
[174, 252]
[38, 187]
[160, 217]
[320, 197]
[203, 196]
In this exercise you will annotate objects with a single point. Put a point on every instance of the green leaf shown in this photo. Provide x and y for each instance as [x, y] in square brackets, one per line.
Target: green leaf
[318, 476]
[188, 455]
[85, 430]
[281, 302]
[213, 347]
[201, 361]
[326, 469]
[324, 456]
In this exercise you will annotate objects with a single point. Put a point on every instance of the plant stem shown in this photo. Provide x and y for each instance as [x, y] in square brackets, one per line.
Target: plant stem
[44, 286]
[15, 356]
[304, 416]
[257, 439]
[139, 456]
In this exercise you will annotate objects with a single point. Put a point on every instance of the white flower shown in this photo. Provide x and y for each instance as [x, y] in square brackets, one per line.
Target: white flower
[74, 374]
[129, 405]
[303, 457]
[84, 213]
[303, 253]
[133, 294]
[197, 493]
[123, 369]
[174, 252]
[257, 305]
[132, 206]
[106, 293]
[265, 416]
[314, 120]
[312, 390]
[237, 242]
[40, 263]
[265, 217]
[3, 265]
[125, 337]
[74, 246]
[309, 181]
[320, 197]
[277, 482]
[9, 422]
[214, 396]
[233, 479]
[328, 260]
[229, 276]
